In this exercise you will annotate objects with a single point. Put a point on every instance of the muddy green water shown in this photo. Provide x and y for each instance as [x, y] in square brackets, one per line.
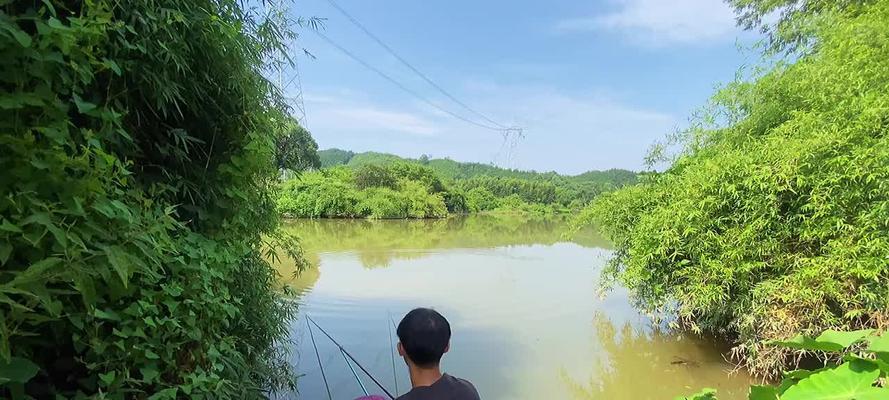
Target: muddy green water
[527, 317]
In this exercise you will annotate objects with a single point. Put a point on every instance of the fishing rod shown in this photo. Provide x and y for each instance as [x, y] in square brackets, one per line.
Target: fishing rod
[392, 352]
[318, 355]
[350, 357]
[360, 383]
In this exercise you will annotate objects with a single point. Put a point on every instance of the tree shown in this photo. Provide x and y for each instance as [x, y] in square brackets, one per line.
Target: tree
[334, 157]
[297, 150]
[792, 29]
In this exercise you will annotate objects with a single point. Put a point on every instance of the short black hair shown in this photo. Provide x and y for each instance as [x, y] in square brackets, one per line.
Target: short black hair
[424, 335]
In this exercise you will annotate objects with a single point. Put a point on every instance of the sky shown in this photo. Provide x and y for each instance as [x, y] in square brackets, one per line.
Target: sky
[593, 83]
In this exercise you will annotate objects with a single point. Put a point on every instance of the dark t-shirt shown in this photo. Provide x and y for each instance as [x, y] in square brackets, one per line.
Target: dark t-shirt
[445, 388]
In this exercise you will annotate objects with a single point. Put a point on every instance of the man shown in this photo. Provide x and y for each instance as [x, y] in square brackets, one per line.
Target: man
[424, 336]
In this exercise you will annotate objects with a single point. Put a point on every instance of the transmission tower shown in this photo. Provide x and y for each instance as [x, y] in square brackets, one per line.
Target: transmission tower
[290, 84]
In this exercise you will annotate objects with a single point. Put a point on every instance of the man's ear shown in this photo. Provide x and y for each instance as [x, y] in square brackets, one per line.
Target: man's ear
[448, 347]
[400, 349]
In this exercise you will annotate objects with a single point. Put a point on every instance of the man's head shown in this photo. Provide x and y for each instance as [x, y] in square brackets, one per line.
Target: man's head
[424, 336]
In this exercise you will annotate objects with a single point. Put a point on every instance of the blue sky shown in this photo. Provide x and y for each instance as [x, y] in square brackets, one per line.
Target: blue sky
[594, 83]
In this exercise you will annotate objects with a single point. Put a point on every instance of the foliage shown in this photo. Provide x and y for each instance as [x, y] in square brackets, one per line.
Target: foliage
[480, 199]
[857, 377]
[139, 163]
[528, 190]
[371, 191]
[788, 23]
[375, 175]
[473, 187]
[777, 221]
[583, 187]
[334, 157]
[297, 150]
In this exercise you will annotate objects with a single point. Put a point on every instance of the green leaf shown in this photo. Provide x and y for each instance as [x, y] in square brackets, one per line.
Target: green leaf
[843, 339]
[792, 377]
[109, 315]
[704, 394]
[83, 106]
[9, 227]
[802, 342]
[107, 378]
[850, 381]
[35, 271]
[117, 257]
[168, 393]
[879, 344]
[87, 288]
[112, 66]
[151, 355]
[882, 365]
[18, 370]
[149, 373]
[19, 35]
[5, 252]
[763, 393]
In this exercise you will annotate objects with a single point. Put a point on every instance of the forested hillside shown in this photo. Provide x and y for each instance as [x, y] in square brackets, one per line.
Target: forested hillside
[450, 169]
[379, 185]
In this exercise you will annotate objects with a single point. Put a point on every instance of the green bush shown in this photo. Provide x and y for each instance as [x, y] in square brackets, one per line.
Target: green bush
[334, 193]
[455, 201]
[138, 169]
[375, 175]
[480, 199]
[421, 203]
[383, 203]
[777, 222]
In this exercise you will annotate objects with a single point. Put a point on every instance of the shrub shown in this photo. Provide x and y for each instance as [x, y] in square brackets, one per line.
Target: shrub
[778, 222]
[138, 169]
[375, 176]
[480, 199]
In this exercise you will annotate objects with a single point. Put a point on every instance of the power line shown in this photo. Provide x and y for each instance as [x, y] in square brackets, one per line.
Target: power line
[406, 89]
[411, 67]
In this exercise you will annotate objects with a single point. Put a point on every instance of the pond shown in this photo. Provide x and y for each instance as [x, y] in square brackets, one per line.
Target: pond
[523, 300]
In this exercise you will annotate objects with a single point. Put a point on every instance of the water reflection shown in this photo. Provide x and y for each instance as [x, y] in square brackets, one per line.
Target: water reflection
[377, 243]
[523, 304]
[645, 362]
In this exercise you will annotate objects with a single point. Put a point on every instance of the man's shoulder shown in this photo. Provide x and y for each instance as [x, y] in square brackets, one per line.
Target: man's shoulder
[462, 387]
[447, 387]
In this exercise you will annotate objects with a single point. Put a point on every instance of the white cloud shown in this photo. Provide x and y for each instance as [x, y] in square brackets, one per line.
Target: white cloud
[566, 132]
[661, 22]
[352, 116]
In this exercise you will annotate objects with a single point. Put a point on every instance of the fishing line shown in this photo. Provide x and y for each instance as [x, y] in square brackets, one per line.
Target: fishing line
[350, 357]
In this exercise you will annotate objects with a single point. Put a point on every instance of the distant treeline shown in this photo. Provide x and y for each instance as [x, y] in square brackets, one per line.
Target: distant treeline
[378, 185]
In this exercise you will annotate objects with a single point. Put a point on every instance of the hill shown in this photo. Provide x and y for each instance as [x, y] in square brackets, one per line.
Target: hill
[450, 169]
